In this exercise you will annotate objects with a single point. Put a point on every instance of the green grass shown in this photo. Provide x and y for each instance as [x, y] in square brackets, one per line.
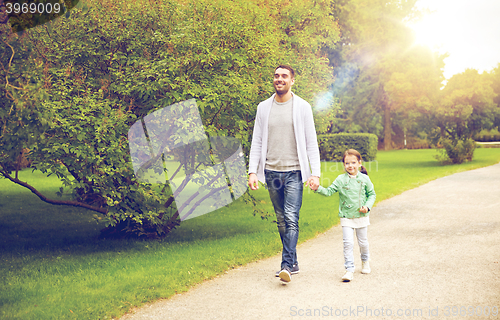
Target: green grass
[53, 266]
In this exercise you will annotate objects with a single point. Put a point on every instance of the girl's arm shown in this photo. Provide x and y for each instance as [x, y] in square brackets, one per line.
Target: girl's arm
[370, 194]
[334, 187]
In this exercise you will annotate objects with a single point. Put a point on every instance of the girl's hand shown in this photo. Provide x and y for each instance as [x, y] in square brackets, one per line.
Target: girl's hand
[363, 209]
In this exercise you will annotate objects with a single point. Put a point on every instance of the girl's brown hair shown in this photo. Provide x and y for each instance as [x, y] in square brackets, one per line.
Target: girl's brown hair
[352, 152]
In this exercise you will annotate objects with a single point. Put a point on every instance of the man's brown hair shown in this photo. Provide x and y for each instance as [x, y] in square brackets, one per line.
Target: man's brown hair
[285, 66]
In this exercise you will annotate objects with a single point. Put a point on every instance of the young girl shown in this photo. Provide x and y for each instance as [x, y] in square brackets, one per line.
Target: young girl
[357, 196]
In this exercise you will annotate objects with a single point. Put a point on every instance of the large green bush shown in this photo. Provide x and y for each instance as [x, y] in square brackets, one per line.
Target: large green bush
[71, 89]
[333, 146]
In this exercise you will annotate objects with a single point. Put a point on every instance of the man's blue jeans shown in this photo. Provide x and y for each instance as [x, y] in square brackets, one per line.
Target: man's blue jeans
[285, 190]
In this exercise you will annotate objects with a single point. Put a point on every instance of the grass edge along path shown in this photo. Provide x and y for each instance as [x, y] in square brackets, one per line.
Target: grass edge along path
[53, 266]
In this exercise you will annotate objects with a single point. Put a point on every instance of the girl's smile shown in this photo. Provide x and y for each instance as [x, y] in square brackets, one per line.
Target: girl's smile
[351, 164]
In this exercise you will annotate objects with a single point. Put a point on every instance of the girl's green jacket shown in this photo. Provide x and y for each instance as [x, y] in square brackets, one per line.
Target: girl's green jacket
[354, 193]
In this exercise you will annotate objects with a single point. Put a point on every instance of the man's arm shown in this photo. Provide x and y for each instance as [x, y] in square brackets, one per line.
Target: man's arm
[312, 150]
[255, 152]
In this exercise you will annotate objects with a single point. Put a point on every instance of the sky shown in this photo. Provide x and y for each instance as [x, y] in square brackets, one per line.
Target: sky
[468, 30]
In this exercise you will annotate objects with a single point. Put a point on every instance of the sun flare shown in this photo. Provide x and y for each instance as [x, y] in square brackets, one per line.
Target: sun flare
[466, 31]
[426, 32]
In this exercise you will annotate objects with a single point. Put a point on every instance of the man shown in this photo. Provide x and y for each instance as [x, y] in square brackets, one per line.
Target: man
[284, 154]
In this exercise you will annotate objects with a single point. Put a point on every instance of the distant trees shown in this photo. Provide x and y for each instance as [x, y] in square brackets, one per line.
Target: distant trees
[494, 77]
[466, 107]
[380, 75]
[388, 86]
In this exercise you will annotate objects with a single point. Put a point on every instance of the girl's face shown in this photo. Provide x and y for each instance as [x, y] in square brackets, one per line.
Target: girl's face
[351, 164]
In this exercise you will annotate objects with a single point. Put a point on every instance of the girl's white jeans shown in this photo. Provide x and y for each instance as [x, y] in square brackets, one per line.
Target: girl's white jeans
[362, 235]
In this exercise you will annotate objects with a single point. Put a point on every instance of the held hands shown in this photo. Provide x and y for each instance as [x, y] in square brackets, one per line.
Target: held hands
[313, 183]
[253, 182]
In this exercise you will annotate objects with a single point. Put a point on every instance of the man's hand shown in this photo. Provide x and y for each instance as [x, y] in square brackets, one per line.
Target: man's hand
[253, 181]
[313, 183]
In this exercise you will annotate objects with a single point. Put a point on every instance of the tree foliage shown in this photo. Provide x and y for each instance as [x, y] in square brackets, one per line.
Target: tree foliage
[388, 86]
[72, 88]
[383, 80]
[466, 107]
[494, 77]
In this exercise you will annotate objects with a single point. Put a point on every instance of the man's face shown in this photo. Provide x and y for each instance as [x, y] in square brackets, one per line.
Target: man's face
[283, 81]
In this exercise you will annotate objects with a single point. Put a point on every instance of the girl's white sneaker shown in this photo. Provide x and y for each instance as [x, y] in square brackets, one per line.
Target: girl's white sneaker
[365, 267]
[347, 276]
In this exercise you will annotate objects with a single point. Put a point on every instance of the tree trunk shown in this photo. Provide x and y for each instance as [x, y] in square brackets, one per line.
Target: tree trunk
[387, 128]
[384, 104]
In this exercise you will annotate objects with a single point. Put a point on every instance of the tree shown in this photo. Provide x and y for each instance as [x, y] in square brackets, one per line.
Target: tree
[466, 107]
[72, 89]
[380, 75]
[494, 77]
[413, 88]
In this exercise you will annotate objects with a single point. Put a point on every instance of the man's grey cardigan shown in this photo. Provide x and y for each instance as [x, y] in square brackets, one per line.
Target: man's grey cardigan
[305, 136]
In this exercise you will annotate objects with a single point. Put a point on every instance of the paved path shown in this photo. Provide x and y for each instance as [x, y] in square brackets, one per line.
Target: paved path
[432, 248]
